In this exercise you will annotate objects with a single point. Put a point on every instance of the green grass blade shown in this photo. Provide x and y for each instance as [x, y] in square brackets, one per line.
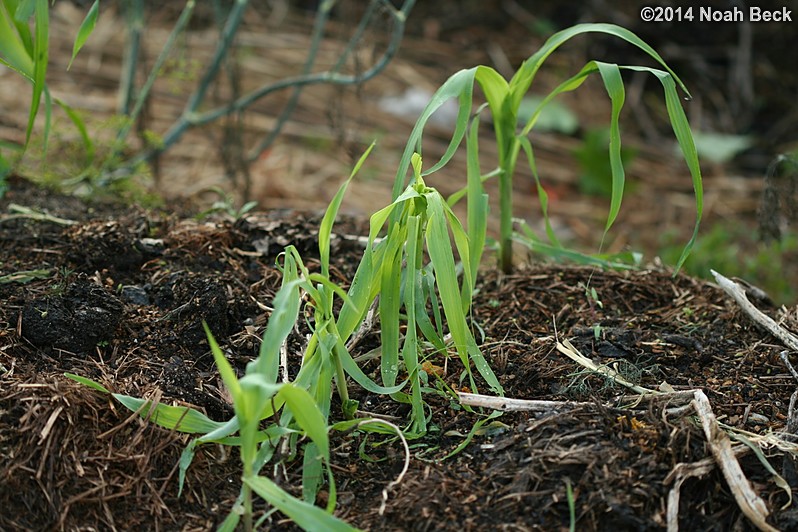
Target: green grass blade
[48, 119]
[186, 457]
[24, 10]
[463, 245]
[684, 136]
[87, 382]
[460, 85]
[354, 371]
[543, 196]
[13, 52]
[307, 516]
[281, 322]
[222, 431]
[180, 418]
[85, 30]
[362, 291]
[225, 369]
[40, 60]
[389, 304]
[440, 252]
[320, 386]
[611, 75]
[477, 202]
[312, 472]
[410, 346]
[230, 523]
[325, 229]
[80, 125]
[307, 416]
[379, 218]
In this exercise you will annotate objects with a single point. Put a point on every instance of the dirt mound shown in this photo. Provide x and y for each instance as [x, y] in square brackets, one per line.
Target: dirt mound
[119, 297]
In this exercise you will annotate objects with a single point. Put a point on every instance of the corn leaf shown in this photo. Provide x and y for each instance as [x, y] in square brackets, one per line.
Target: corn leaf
[523, 77]
[543, 196]
[477, 202]
[460, 86]
[684, 136]
[40, 60]
[87, 382]
[180, 418]
[86, 27]
[611, 75]
[225, 369]
[306, 515]
[325, 229]
[13, 52]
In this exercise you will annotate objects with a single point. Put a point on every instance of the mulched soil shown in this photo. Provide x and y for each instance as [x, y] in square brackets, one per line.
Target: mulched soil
[120, 296]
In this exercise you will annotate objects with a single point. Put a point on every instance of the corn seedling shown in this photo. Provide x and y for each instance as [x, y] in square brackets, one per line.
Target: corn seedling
[256, 396]
[26, 51]
[504, 98]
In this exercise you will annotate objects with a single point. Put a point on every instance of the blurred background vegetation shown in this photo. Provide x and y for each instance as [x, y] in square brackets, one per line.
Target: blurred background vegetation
[290, 149]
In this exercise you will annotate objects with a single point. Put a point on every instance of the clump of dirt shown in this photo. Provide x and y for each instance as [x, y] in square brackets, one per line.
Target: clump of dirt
[76, 318]
[119, 295]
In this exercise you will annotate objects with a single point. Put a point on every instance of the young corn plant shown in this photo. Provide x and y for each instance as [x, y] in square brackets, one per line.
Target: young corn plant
[256, 396]
[504, 98]
[296, 409]
[393, 271]
[421, 219]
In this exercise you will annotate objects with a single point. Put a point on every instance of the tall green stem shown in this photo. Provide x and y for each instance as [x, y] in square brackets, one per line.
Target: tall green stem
[507, 163]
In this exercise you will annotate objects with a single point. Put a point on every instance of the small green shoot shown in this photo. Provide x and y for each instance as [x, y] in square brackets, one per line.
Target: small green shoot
[569, 494]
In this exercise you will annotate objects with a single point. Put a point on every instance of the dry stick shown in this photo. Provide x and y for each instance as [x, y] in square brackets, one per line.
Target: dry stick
[790, 368]
[719, 443]
[749, 502]
[508, 404]
[681, 472]
[788, 339]
[738, 294]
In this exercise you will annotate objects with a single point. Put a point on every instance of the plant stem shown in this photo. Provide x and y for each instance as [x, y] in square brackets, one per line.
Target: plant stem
[247, 508]
[340, 379]
[506, 222]
[135, 23]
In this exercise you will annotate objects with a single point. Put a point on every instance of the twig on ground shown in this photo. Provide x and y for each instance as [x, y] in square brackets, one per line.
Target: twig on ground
[790, 368]
[508, 404]
[406, 466]
[719, 443]
[768, 323]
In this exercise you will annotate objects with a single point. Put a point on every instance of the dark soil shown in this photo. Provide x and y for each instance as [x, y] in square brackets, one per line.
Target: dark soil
[118, 295]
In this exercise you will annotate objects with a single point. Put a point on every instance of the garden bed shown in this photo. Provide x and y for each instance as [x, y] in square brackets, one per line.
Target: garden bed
[118, 295]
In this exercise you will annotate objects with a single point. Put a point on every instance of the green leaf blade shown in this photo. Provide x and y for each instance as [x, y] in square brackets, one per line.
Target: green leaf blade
[85, 30]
